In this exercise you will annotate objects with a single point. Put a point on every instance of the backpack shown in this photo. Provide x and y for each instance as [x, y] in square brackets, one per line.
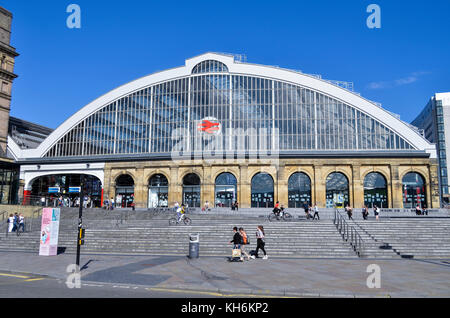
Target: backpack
[245, 239]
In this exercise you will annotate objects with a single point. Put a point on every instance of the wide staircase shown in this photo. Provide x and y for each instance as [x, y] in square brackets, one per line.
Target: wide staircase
[409, 237]
[138, 233]
[144, 233]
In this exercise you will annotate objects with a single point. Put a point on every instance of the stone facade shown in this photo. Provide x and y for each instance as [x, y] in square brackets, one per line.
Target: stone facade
[355, 169]
[7, 76]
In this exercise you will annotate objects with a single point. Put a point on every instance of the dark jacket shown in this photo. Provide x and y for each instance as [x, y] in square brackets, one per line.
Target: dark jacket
[237, 239]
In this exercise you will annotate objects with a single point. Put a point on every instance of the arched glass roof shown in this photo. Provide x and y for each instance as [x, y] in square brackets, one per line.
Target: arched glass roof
[258, 108]
[279, 114]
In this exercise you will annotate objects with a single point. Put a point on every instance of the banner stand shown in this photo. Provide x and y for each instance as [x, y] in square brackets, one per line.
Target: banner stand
[49, 232]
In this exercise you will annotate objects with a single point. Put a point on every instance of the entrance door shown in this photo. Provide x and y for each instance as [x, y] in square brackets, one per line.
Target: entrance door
[226, 190]
[191, 190]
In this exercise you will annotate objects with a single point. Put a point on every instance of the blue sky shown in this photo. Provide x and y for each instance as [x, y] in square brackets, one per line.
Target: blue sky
[61, 70]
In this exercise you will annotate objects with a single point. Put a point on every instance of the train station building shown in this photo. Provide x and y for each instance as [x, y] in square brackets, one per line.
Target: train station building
[221, 130]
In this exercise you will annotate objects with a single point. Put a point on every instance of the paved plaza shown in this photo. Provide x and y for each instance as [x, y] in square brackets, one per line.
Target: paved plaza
[215, 276]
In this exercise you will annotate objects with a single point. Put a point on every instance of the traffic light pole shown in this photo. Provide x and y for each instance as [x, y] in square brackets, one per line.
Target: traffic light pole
[80, 224]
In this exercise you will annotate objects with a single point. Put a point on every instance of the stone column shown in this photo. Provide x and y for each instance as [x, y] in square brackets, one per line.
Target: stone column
[319, 186]
[433, 193]
[282, 185]
[207, 187]
[108, 186]
[358, 187]
[140, 189]
[175, 187]
[244, 187]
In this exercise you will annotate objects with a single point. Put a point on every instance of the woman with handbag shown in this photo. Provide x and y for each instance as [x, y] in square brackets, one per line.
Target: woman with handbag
[260, 242]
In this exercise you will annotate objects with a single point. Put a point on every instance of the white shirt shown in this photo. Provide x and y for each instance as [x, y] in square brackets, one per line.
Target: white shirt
[259, 234]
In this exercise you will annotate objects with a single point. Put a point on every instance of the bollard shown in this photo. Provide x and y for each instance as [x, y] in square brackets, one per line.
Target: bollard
[194, 245]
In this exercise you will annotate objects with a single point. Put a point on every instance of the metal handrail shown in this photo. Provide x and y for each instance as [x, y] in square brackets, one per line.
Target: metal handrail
[35, 215]
[4, 215]
[4, 221]
[349, 234]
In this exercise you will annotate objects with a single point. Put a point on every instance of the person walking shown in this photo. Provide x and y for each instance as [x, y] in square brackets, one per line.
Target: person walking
[365, 212]
[21, 223]
[349, 211]
[376, 211]
[10, 223]
[15, 222]
[244, 241]
[260, 242]
[316, 212]
[236, 241]
[306, 208]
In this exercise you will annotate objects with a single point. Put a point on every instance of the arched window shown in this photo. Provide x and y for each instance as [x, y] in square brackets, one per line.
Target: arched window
[299, 190]
[191, 190]
[337, 190]
[210, 66]
[225, 190]
[158, 191]
[124, 191]
[262, 191]
[375, 190]
[414, 190]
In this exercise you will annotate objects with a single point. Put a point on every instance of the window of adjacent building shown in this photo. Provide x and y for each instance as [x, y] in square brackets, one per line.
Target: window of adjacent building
[5, 87]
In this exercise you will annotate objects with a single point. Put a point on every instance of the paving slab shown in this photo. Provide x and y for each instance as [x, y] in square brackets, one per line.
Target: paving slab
[279, 277]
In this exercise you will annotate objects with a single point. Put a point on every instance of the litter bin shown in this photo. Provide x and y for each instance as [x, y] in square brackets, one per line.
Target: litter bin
[194, 245]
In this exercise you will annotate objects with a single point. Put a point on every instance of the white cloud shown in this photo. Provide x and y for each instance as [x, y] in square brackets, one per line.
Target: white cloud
[414, 77]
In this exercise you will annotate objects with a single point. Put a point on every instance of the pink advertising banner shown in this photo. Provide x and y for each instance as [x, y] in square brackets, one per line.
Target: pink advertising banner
[49, 232]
